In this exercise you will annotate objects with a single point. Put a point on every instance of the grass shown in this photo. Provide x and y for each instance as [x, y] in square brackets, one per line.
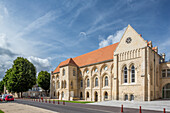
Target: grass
[1, 111]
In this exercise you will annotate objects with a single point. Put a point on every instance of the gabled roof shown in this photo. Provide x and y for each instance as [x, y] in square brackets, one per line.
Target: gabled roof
[99, 55]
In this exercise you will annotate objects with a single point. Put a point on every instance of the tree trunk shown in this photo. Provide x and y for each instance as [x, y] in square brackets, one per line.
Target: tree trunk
[21, 94]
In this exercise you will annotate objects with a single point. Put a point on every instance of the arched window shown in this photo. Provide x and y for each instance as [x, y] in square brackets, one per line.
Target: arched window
[125, 74]
[126, 97]
[95, 70]
[74, 72]
[132, 74]
[87, 94]
[88, 83]
[63, 72]
[131, 97]
[106, 81]
[106, 95]
[96, 81]
[81, 83]
[62, 94]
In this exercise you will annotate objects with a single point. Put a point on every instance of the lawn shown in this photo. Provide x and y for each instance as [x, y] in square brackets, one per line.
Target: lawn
[1, 111]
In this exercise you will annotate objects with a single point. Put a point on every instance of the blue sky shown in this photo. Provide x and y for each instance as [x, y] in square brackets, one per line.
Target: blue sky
[50, 31]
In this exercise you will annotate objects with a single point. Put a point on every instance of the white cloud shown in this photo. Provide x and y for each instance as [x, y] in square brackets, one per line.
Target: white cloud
[40, 64]
[112, 38]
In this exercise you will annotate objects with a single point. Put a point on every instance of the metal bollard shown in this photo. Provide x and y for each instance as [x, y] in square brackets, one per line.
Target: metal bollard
[49, 101]
[164, 110]
[53, 101]
[63, 102]
[42, 101]
[140, 110]
[122, 109]
[58, 102]
[45, 100]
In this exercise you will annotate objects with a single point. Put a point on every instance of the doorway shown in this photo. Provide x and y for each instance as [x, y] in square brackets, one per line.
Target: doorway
[96, 96]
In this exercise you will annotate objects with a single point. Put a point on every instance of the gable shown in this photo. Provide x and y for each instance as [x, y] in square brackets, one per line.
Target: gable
[130, 40]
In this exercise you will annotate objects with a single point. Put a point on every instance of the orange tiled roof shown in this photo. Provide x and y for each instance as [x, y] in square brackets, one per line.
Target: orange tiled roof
[99, 55]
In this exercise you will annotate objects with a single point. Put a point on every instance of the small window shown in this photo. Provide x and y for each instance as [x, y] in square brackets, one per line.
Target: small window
[105, 68]
[71, 85]
[87, 71]
[87, 94]
[58, 84]
[74, 72]
[96, 82]
[63, 72]
[81, 82]
[163, 73]
[131, 97]
[88, 83]
[126, 97]
[168, 72]
[96, 70]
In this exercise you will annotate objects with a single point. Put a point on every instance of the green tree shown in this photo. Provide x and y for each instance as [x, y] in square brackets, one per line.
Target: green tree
[1, 87]
[44, 80]
[21, 77]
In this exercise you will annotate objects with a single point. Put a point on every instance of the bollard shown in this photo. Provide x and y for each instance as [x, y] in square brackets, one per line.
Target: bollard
[140, 110]
[42, 101]
[53, 101]
[58, 102]
[49, 101]
[164, 110]
[63, 102]
[45, 100]
[122, 109]
[39, 100]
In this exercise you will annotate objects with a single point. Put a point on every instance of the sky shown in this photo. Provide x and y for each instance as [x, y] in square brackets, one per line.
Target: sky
[47, 32]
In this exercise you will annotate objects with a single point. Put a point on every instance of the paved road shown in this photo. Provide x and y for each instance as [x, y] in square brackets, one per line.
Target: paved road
[81, 108]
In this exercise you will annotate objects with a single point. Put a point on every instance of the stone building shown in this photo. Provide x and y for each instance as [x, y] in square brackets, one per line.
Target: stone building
[130, 70]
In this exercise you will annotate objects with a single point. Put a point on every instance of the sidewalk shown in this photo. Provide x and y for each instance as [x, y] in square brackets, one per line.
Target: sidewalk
[20, 108]
[152, 105]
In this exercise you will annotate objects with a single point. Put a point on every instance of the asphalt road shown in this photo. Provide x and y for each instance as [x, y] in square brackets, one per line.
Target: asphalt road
[80, 108]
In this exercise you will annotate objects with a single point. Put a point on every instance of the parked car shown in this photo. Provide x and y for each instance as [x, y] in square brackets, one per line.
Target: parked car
[3, 96]
[9, 98]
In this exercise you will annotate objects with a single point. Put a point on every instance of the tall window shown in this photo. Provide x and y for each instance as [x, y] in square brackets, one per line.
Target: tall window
[62, 84]
[65, 84]
[81, 83]
[133, 74]
[88, 83]
[125, 75]
[163, 73]
[63, 72]
[87, 94]
[168, 72]
[106, 81]
[106, 95]
[96, 81]
[74, 72]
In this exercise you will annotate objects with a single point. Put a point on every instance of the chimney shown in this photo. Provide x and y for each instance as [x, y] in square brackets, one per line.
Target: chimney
[163, 57]
[155, 49]
[150, 44]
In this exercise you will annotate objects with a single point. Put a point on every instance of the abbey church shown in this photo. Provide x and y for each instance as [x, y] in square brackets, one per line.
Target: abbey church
[130, 70]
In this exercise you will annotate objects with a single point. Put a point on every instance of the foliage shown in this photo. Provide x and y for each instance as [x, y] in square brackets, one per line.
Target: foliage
[21, 77]
[44, 80]
[1, 86]
[1, 111]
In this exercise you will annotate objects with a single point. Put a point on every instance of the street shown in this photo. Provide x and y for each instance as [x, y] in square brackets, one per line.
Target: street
[79, 108]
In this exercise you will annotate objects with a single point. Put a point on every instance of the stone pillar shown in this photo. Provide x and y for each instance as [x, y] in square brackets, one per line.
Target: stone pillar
[116, 84]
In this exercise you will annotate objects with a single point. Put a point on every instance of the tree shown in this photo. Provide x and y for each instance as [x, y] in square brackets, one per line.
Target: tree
[21, 77]
[44, 80]
[1, 87]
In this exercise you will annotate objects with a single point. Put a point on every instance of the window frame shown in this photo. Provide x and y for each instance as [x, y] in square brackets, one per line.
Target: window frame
[133, 74]
[125, 79]
[96, 81]
[106, 81]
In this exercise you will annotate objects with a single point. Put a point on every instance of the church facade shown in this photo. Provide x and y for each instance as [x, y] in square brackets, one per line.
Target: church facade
[128, 70]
